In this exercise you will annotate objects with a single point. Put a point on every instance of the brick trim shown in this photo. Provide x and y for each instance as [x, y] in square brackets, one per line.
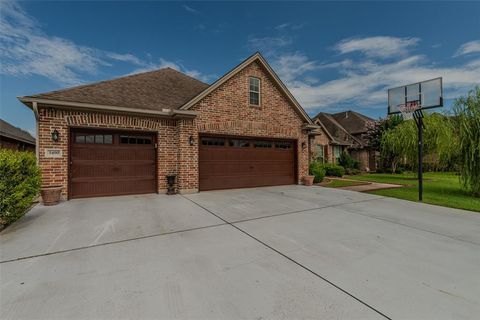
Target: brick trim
[250, 126]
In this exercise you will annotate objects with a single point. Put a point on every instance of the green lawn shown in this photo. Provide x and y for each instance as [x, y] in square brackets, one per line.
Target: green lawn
[440, 188]
[342, 183]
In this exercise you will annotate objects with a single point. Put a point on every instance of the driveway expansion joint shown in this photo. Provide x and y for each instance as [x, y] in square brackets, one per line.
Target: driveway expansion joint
[111, 242]
[291, 259]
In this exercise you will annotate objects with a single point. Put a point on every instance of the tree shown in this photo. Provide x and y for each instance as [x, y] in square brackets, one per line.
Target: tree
[396, 144]
[376, 129]
[467, 116]
[440, 143]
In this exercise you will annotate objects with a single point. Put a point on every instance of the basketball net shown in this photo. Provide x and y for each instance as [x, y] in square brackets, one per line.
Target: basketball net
[407, 109]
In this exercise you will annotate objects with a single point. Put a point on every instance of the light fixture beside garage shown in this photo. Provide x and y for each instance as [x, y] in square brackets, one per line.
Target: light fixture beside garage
[304, 145]
[55, 135]
[191, 141]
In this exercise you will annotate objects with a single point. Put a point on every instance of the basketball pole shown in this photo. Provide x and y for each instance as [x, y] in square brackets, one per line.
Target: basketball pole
[420, 157]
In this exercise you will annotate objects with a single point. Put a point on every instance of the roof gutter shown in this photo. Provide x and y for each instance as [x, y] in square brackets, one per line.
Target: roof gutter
[32, 103]
[35, 112]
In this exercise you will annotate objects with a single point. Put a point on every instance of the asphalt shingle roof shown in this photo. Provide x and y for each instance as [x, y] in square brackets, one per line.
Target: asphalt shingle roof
[10, 131]
[154, 90]
[352, 121]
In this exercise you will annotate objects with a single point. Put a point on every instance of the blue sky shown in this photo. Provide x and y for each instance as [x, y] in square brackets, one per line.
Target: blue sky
[333, 56]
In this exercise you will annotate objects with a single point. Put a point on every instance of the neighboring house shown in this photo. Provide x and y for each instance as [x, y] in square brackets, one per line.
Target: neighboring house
[15, 138]
[344, 131]
[123, 136]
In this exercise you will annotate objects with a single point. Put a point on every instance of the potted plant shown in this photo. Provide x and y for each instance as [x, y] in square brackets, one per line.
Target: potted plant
[51, 195]
[308, 180]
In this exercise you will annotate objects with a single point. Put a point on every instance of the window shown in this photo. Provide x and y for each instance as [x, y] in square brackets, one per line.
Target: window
[283, 145]
[337, 151]
[262, 144]
[135, 140]
[254, 91]
[213, 142]
[239, 143]
[94, 138]
[320, 155]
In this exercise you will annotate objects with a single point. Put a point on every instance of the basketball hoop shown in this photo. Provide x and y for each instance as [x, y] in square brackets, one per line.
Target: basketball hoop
[407, 109]
[410, 100]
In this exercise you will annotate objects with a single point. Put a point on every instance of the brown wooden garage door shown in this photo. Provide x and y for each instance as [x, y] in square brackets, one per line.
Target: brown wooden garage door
[107, 163]
[229, 162]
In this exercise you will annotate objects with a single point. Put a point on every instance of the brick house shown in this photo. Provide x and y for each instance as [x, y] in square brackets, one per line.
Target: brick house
[343, 131]
[123, 136]
[15, 138]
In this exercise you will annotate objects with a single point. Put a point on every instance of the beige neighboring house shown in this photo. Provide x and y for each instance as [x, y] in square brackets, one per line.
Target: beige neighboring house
[343, 131]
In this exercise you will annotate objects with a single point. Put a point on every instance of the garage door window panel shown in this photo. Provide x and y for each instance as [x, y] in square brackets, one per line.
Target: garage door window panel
[283, 145]
[262, 144]
[236, 143]
[94, 138]
[213, 142]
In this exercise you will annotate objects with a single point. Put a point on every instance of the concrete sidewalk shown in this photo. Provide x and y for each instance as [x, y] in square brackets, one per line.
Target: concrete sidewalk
[367, 185]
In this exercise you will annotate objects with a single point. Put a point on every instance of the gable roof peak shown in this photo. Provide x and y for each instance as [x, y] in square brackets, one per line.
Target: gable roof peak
[257, 56]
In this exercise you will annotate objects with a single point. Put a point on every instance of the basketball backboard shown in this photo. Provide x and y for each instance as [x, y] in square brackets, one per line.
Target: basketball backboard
[421, 95]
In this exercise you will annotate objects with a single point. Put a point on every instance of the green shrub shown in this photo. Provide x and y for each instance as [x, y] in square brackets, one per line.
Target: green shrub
[19, 184]
[347, 161]
[334, 170]
[317, 170]
[351, 171]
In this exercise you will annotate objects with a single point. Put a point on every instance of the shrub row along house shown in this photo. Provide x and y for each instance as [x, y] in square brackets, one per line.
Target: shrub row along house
[15, 138]
[123, 136]
[343, 131]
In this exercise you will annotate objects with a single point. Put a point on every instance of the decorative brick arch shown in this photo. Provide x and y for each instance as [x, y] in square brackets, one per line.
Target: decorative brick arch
[117, 121]
[247, 126]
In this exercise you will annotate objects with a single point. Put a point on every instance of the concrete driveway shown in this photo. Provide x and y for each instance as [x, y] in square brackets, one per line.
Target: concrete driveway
[263, 253]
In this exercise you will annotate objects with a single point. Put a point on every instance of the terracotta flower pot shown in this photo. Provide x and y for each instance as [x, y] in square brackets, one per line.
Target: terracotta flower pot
[51, 195]
[308, 180]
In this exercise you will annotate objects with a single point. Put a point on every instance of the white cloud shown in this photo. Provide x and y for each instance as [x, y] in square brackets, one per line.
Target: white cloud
[469, 47]
[380, 46]
[363, 81]
[267, 45]
[288, 26]
[290, 66]
[27, 50]
[190, 9]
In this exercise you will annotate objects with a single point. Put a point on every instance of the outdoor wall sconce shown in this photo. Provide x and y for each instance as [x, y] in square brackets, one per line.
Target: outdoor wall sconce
[304, 145]
[191, 141]
[55, 135]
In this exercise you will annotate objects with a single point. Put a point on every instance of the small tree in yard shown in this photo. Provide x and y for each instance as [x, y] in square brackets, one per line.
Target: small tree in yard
[467, 116]
[374, 136]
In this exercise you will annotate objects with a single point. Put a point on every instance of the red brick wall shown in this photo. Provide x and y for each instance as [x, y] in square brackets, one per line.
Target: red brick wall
[227, 111]
[324, 140]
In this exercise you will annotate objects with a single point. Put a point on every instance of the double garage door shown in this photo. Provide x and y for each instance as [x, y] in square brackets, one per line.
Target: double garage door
[106, 163]
[233, 162]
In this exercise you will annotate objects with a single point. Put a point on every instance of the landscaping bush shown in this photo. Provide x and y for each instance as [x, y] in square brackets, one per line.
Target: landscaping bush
[348, 162]
[317, 170]
[351, 171]
[19, 184]
[334, 170]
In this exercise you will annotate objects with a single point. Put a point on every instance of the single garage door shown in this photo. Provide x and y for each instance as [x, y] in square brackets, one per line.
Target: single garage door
[230, 162]
[107, 163]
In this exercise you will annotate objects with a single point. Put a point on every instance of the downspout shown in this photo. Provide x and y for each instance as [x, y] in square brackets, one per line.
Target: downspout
[37, 148]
